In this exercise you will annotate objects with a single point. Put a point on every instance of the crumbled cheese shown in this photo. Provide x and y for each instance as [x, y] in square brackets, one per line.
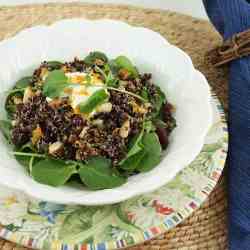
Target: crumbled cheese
[105, 107]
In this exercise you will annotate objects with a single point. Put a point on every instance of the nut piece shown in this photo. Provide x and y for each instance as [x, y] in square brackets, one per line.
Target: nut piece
[124, 130]
[84, 131]
[44, 73]
[99, 62]
[105, 107]
[28, 93]
[54, 103]
[139, 108]
[17, 100]
[56, 148]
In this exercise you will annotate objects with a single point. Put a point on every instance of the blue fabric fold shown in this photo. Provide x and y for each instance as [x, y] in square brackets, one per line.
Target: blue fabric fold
[230, 17]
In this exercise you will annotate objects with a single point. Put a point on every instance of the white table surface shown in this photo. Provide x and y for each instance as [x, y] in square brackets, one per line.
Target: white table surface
[190, 7]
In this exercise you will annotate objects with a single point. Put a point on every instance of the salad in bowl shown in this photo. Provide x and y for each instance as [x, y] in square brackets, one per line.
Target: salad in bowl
[91, 119]
[94, 121]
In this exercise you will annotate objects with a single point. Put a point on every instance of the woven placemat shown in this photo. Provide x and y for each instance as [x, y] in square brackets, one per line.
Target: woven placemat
[207, 227]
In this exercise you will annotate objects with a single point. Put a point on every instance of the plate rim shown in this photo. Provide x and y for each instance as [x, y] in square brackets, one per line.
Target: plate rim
[141, 236]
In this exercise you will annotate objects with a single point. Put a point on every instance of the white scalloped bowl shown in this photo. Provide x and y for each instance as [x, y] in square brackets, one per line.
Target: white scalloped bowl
[172, 70]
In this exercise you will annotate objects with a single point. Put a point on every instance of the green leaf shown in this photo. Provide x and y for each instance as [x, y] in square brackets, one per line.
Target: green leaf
[10, 109]
[124, 63]
[10, 106]
[88, 80]
[55, 83]
[27, 147]
[111, 81]
[27, 161]
[152, 152]
[23, 82]
[53, 172]
[159, 123]
[78, 221]
[144, 94]
[97, 174]
[93, 56]
[114, 68]
[108, 76]
[23, 160]
[135, 144]
[158, 101]
[148, 126]
[5, 127]
[93, 101]
[132, 162]
[134, 147]
[54, 64]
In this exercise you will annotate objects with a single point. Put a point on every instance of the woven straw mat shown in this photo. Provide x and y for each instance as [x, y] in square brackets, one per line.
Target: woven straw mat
[206, 228]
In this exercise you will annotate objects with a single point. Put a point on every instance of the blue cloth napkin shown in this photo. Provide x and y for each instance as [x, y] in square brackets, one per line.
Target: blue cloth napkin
[230, 17]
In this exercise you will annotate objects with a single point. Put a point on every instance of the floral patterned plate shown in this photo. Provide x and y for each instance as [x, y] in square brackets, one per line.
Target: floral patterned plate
[43, 225]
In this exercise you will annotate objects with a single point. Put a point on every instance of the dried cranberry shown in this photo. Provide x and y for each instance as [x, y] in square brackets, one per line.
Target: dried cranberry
[163, 136]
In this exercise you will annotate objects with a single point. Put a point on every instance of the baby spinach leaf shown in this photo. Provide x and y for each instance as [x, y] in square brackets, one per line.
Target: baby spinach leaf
[114, 68]
[97, 174]
[158, 100]
[144, 94]
[5, 127]
[23, 82]
[152, 152]
[132, 162]
[124, 63]
[10, 109]
[93, 101]
[10, 106]
[100, 163]
[53, 172]
[88, 80]
[111, 81]
[148, 126]
[108, 76]
[27, 147]
[159, 123]
[135, 146]
[23, 160]
[54, 83]
[27, 161]
[93, 56]
[54, 64]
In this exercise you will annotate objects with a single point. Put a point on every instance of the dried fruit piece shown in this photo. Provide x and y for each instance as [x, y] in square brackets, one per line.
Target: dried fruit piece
[124, 74]
[36, 135]
[163, 136]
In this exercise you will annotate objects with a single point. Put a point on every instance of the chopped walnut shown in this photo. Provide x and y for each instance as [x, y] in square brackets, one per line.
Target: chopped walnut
[124, 130]
[56, 149]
